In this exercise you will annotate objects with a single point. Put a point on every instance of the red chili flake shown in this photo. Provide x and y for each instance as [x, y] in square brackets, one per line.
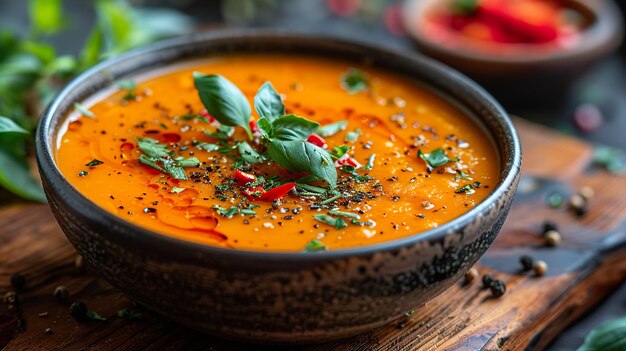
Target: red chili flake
[317, 140]
[254, 127]
[346, 160]
[243, 178]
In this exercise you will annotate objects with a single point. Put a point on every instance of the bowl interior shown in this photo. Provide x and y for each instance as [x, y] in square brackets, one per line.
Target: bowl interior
[446, 82]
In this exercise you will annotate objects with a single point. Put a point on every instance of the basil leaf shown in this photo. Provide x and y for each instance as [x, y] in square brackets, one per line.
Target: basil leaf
[152, 148]
[208, 147]
[16, 176]
[610, 336]
[222, 133]
[249, 154]
[315, 245]
[223, 100]
[435, 158]
[8, 126]
[354, 81]
[292, 127]
[265, 127]
[332, 129]
[46, 15]
[95, 162]
[338, 223]
[301, 156]
[268, 103]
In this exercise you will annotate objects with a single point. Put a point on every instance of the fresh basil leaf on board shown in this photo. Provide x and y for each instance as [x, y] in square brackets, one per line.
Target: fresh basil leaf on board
[223, 100]
[301, 156]
[610, 336]
[268, 103]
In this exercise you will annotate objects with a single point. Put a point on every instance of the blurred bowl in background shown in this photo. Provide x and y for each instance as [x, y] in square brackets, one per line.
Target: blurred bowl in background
[522, 75]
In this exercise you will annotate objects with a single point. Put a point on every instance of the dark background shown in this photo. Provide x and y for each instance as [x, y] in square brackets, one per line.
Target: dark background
[604, 85]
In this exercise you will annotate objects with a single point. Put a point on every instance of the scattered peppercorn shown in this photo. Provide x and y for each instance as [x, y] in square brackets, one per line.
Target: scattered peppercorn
[552, 238]
[527, 263]
[471, 275]
[487, 279]
[61, 293]
[78, 310]
[586, 192]
[540, 268]
[18, 281]
[11, 299]
[548, 226]
[497, 288]
[579, 205]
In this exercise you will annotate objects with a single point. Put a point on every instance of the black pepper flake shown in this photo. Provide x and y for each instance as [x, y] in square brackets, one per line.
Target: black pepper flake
[497, 288]
[18, 281]
[288, 217]
[78, 310]
[527, 263]
[487, 279]
[149, 210]
[396, 198]
[82, 173]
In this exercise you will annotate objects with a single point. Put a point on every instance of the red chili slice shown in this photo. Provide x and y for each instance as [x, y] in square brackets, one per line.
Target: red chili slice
[277, 192]
[253, 193]
[317, 140]
[254, 127]
[243, 178]
[346, 160]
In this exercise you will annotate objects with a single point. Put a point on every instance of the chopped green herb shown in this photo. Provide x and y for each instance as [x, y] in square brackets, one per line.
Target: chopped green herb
[353, 136]
[190, 117]
[129, 86]
[249, 154]
[95, 315]
[468, 189]
[312, 188]
[461, 175]
[82, 173]
[329, 200]
[159, 157]
[370, 163]
[208, 147]
[187, 162]
[315, 245]
[355, 175]
[339, 151]
[163, 125]
[435, 158]
[129, 314]
[354, 81]
[332, 129]
[344, 214]
[83, 110]
[338, 223]
[228, 213]
[249, 212]
[94, 163]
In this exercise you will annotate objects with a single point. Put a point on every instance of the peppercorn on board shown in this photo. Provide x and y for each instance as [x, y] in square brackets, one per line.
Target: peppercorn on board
[586, 264]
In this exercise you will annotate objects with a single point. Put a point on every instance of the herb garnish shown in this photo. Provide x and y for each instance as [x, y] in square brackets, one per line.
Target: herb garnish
[315, 245]
[338, 223]
[354, 81]
[468, 189]
[332, 129]
[370, 163]
[159, 157]
[129, 314]
[94, 163]
[129, 86]
[435, 158]
[284, 136]
[83, 110]
[223, 100]
[95, 315]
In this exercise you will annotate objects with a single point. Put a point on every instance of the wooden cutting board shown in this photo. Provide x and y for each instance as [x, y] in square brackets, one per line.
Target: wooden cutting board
[583, 269]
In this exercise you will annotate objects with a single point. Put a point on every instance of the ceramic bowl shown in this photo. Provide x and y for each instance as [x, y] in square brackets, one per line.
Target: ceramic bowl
[272, 297]
[532, 80]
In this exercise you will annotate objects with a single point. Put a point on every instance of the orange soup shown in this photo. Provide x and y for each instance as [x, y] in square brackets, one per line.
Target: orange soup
[327, 155]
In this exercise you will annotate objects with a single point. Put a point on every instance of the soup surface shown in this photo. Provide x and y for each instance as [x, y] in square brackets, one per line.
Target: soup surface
[392, 159]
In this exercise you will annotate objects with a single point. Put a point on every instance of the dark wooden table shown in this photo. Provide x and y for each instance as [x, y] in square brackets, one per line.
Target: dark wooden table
[584, 269]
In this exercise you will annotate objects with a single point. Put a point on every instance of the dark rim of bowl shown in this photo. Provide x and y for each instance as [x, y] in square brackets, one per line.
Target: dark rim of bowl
[46, 139]
[604, 35]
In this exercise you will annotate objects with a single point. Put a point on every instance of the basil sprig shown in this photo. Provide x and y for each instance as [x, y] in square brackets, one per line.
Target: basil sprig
[223, 100]
[435, 158]
[285, 136]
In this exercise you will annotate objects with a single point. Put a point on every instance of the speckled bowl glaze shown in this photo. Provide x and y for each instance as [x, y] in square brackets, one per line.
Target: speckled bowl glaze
[274, 297]
[535, 80]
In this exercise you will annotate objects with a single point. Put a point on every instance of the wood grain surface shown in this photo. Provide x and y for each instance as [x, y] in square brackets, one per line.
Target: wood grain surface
[588, 264]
